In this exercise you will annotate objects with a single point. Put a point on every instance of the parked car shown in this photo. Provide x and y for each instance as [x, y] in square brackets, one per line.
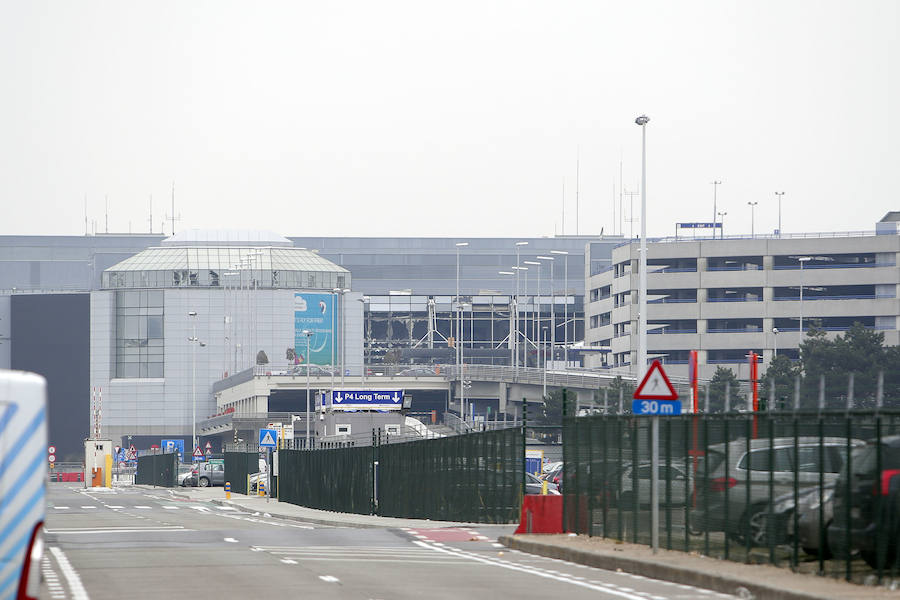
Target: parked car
[808, 520]
[417, 372]
[534, 485]
[679, 486]
[206, 474]
[723, 500]
[184, 475]
[874, 504]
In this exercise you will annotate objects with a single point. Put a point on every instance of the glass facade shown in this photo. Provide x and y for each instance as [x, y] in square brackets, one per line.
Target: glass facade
[140, 351]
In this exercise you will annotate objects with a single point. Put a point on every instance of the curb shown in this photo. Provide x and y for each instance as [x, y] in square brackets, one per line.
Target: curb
[314, 520]
[682, 575]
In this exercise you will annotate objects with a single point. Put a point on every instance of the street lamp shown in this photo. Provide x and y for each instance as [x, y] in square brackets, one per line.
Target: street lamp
[462, 379]
[458, 316]
[518, 299]
[343, 351]
[565, 305]
[194, 342]
[511, 312]
[516, 344]
[715, 185]
[536, 304]
[752, 206]
[779, 194]
[722, 214]
[552, 306]
[308, 334]
[544, 352]
[775, 342]
[363, 301]
[334, 302]
[642, 348]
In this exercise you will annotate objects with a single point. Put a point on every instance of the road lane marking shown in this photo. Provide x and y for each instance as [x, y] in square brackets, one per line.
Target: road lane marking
[114, 506]
[329, 578]
[72, 577]
[61, 507]
[231, 540]
[288, 561]
[94, 506]
[534, 571]
[170, 507]
[142, 506]
[71, 530]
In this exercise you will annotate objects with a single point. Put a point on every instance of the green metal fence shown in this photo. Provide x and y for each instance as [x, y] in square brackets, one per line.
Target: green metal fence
[770, 487]
[157, 469]
[337, 479]
[238, 466]
[475, 477]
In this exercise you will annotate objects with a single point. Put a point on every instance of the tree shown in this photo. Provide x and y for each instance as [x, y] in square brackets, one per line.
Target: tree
[783, 372]
[262, 358]
[626, 388]
[722, 379]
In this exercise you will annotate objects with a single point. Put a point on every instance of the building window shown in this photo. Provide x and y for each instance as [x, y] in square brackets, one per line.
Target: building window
[139, 334]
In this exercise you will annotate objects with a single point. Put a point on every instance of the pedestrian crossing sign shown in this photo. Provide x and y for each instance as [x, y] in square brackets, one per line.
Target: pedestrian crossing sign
[655, 385]
[267, 438]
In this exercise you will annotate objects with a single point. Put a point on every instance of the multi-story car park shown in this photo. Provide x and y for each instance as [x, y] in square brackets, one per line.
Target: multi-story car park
[728, 297]
[407, 287]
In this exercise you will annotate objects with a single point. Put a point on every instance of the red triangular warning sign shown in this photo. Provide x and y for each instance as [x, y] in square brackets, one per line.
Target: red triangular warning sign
[198, 452]
[655, 385]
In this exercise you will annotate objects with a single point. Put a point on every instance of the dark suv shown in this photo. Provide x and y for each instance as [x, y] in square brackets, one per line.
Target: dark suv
[868, 518]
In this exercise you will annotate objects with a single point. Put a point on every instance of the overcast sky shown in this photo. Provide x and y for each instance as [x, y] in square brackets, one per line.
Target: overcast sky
[448, 119]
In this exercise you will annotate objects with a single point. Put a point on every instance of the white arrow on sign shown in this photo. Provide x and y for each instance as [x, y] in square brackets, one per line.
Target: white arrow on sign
[338, 397]
[396, 397]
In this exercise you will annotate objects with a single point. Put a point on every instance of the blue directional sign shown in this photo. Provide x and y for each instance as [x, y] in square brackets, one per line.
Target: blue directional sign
[173, 446]
[655, 394]
[268, 438]
[367, 399]
[699, 225]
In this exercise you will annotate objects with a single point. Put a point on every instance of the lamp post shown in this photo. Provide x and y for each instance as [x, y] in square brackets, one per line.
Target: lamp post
[458, 316]
[363, 301]
[722, 214]
[308, 334]
[343, 337]
[462, 366]
[519, 299]
[802, 260]
[552, 307]
[536, 305]
[642, 121]
[565, 304]
[516, 343]
[194, 341]
[715, 185]
[544, 352]
[774, 342]
[334, 302]
[752, 206]
[779, 194]
[511, 303]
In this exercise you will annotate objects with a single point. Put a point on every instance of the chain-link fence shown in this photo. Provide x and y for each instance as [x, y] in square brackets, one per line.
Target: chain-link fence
[157, 469]
[816, 491]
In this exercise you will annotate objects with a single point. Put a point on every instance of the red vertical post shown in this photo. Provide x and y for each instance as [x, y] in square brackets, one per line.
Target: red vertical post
[754, 384]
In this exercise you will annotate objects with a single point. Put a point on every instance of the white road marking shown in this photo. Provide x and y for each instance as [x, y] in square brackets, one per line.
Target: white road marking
[170, 507]
[226, 508]
[61, 507]
[92, 506]
[534, 571]
[72, 577]
[329, 578]
[114, 506]
[231, 540]
[65, 530]
[288, 561]
[142, 506]
[497, 545]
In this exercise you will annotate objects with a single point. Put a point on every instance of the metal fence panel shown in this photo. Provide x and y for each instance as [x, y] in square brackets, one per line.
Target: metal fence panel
[157, 469]
[338, 479]
[814, 491]
[238, 465]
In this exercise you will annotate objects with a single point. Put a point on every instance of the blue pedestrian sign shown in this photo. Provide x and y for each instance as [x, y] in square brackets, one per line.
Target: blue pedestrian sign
[655, 395]
[268, 438]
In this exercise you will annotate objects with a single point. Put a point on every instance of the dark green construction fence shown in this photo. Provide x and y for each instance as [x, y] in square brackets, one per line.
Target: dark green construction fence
[475, 477]
[770, 487]
[238, 466]
[157, 469]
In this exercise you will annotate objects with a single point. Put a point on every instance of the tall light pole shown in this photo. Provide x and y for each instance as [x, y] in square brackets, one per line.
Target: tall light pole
[308, 334]
[779, 194]
[642, 335]
[536, 304]
[458, 313]
[802, 260]
[334, 295]
[518, 299]
[511, 303]
[565, 253]
[752, 206]
[715, 185]
[462, 366]
[193, 340]
[544, 352]
[343, 337]
[363, 301]
[516, 344]
[552, 308]
[775, 342]
[722, 214]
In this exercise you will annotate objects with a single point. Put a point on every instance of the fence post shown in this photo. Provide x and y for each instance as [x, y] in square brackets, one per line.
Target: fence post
[879, 393]
[796, 392]
[524, 456]
[821, 392]
[727, 396]
[850, 382]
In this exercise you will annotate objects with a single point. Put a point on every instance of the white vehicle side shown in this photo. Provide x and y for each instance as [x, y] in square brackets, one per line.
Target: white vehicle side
[23, 482]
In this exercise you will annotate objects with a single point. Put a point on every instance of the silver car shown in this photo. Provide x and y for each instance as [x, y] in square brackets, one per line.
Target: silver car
[736, 499]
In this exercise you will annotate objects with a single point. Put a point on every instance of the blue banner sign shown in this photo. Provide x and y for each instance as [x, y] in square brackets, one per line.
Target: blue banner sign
[314, 313]
[656, 407]
[699, 225]
[173, 446]
[367, 399]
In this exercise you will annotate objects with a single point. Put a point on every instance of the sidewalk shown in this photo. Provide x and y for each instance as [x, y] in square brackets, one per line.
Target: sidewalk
[762, 581]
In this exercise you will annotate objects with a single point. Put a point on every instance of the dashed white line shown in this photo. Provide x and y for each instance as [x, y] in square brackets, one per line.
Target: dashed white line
[231, 540]
[61, 507]
[142, 506]
[91, 506]
[72, 577]
[288, 561]
[329, 578]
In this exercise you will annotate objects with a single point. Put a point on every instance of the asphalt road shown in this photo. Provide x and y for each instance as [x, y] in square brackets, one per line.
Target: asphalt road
[135, 544]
